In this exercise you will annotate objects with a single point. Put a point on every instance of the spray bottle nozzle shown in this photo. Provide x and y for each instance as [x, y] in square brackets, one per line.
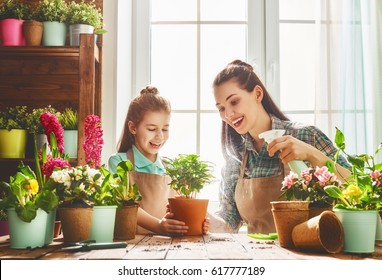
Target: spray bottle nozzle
[269, 135]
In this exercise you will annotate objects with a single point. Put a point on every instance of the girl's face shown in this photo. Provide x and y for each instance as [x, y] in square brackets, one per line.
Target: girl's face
[151, 133]
[239, 108]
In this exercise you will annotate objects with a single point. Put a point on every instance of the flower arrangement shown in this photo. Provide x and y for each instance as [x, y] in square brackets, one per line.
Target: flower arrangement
[310, 186]
[93, 141]
[123, 192]
[75, 185]
[86, 13]
[14, 118]
[363, 190]
[189, 174]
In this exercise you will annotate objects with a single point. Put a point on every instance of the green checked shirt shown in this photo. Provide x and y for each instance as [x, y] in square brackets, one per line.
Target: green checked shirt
[260, 164]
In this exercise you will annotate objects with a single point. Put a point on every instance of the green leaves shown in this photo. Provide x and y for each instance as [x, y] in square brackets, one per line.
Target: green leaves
[188, 173]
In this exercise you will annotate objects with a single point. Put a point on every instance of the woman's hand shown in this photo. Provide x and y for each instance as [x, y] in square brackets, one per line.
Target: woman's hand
[291, 149]
[170, 226]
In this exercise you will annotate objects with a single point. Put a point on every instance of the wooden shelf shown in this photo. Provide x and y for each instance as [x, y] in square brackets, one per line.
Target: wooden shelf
[57, 76]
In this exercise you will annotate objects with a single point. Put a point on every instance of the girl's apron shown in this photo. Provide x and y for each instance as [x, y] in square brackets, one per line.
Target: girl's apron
[155, 191]
[253, 197]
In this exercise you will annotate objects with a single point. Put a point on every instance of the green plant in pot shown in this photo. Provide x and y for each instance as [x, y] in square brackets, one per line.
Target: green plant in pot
[13, 135]
[84, 17]
[14, 9]
[189, 174]
[126, 196]
[358, 199]
[53, 14]
[69, 121]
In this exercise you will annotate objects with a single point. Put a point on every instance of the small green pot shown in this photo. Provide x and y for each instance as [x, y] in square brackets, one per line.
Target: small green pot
[13, 143]
[103, 220]
[359, 230]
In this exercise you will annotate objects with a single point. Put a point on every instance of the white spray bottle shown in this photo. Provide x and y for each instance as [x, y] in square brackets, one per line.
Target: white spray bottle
[295, 165]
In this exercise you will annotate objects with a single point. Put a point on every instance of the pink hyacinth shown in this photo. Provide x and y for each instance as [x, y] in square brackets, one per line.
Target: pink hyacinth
[289, 180]
[93, 141]
[51, 124]
[323, 175]
[48, 167]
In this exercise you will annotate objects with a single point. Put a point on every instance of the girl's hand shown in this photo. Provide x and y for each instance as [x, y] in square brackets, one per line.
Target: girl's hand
[291, 149]
[170, 226]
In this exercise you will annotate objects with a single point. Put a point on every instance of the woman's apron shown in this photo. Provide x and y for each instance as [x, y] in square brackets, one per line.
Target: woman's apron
[155, 191]
[253, 197]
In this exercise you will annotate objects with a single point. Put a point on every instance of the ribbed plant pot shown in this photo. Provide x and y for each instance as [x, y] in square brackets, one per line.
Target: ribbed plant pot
[33, 32]
[191, 211]
[125, 226]
[75, 223]
[286, 215]
[75, 30]
[322, 233]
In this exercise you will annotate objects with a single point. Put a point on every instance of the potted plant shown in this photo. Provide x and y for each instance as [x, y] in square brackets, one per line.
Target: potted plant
[188, 176]
[12, 15]
[358, 199]
[13, 135]
[309, 186]
[53, 14]
[69, 121]
[32, 27]
[126, 196]
[84, 17]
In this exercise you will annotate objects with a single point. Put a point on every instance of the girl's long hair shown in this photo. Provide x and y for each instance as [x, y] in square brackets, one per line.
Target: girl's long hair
[242, 72]
[148, 100]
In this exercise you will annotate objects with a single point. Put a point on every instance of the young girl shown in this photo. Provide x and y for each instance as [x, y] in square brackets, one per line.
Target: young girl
[254, 170]
[145, 132]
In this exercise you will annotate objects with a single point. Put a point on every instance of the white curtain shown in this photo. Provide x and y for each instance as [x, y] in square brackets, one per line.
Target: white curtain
[348, 69]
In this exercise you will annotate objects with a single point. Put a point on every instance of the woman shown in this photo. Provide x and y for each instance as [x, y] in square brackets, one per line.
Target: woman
[253, 170]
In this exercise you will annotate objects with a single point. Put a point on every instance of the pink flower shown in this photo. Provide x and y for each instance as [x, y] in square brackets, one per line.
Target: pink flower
[51, 124]
[376, 176]
[93, 141]
[307, 175]
[52, 163]
[323, 175]
[289, 180]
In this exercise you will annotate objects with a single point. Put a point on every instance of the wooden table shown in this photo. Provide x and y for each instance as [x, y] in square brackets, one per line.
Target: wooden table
[214, 246]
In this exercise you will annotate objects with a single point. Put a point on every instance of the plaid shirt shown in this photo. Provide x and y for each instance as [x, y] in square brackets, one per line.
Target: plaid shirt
[260, 164]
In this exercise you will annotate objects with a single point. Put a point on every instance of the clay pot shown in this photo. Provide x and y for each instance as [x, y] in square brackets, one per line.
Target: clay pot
[33, 32]
[125, 225]
[286, 215]
[191, 211]
[322, 233]
[75, 223]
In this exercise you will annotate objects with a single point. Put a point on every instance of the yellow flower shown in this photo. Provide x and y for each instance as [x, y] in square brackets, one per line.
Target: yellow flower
[352, 191]
[32, 186]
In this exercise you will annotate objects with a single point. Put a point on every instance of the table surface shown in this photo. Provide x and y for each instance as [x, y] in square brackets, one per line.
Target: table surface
[213, 246]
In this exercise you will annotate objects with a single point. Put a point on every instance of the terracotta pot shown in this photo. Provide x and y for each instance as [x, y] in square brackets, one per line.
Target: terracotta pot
[4, 228]
[126, 222]
[190, 211]
[322, 233]
[33, 32]
[57, 229]
[75, 223]
[286, 215]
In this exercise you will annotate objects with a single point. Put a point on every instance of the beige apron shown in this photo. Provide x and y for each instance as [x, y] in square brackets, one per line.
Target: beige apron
[155, 191]
[253, 197]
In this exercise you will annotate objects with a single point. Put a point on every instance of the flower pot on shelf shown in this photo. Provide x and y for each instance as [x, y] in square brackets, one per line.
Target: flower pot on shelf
[191, 211]
[75, 223]
[103, 221]
[322, 233]
[33, 32]
[359, 229]
[126, 222]
[71, 142]
[286, 215]
[54, 33]
[13, 143]
[27, 235]
[11, 31]
[75, 30]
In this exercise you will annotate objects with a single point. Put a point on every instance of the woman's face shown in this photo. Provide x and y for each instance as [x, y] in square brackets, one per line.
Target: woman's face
[237, 107]
[151, 133]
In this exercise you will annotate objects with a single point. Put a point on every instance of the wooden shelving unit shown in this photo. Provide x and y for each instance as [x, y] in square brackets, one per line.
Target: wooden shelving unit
[57, 76]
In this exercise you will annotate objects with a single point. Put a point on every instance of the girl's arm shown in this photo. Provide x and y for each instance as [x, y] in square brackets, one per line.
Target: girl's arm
[166, 225]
